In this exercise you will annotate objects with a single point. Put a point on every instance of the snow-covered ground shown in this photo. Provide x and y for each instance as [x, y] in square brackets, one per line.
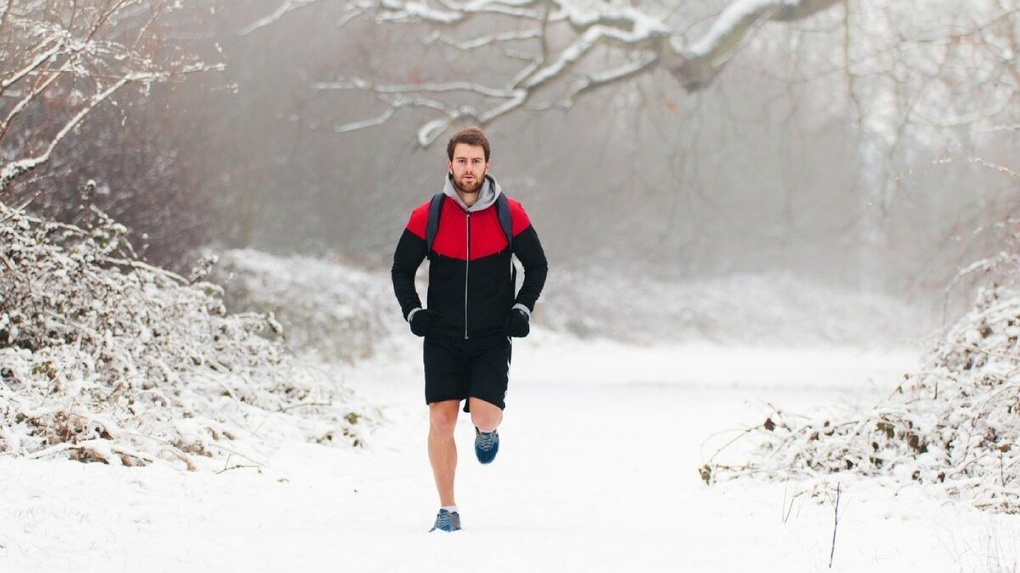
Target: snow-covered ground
[598, 471]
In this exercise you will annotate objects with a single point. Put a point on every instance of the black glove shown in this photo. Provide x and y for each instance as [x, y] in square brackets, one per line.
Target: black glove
[421, 322]
[518, 324]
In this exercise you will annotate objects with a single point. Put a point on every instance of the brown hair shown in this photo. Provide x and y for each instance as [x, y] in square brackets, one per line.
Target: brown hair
[469, 136]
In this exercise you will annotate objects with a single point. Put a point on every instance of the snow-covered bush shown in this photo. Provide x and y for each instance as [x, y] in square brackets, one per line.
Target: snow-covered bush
[337, 311]
[954, 425]
[769, 309]
[105, 358]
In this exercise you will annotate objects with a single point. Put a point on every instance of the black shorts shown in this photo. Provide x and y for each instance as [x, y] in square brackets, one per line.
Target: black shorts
[458, 369]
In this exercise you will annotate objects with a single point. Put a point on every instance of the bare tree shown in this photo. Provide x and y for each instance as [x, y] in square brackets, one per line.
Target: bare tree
[60, 61]
[835, 134]
[561, 51]
[934, 89]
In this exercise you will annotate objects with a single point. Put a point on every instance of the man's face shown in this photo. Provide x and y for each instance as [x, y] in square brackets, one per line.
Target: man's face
[468, 167]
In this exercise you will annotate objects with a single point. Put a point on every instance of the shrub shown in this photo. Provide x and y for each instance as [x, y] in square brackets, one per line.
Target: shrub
[106, 358]
[953, 425]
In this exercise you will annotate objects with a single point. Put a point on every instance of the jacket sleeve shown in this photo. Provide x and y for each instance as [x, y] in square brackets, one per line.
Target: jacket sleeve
[407, 257]
[528, 250]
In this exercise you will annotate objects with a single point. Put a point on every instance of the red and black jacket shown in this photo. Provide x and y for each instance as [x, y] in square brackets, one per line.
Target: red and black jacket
[470, 284]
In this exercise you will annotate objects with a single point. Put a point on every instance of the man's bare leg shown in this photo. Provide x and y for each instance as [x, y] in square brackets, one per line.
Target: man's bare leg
[485, 416]
[443, 448]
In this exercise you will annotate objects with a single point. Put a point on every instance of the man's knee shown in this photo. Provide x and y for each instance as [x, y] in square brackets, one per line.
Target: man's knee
[484, 415]
[443, 417]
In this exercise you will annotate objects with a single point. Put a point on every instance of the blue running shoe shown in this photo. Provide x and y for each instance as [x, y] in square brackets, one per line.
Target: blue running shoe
[446, 521]
[486, 445]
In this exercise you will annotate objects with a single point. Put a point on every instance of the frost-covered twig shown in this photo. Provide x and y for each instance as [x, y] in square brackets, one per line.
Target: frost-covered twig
[835, 523]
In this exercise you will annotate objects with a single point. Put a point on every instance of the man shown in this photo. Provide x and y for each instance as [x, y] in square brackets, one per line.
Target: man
[472, 308]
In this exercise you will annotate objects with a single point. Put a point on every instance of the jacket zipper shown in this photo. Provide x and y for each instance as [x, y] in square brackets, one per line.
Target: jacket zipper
[467, 268]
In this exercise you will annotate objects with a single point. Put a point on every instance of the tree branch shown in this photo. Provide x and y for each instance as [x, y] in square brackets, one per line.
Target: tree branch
[635, 41]
[285, 8]
[699, 63]
[57, 68]
[17, 168]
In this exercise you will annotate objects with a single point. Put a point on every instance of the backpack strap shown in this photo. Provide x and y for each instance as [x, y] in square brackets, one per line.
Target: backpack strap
[505, 221]
[436, 209]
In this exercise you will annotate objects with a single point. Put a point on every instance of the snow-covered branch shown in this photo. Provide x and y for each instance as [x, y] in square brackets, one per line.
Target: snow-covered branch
[701, 61]
[281, 11]
[56, 68]
[15, 168]
[555, 43]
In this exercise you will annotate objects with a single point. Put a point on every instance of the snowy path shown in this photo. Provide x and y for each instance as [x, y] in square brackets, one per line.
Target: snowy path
[597, 472]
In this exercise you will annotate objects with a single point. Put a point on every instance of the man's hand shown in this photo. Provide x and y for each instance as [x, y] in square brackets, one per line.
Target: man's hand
[421, 322]
[518, 324]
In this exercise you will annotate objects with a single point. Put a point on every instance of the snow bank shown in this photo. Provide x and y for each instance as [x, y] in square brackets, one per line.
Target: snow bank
[746, 309]
[952, 426]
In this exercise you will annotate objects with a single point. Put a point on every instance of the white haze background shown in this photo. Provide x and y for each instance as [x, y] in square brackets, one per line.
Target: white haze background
[598, 470]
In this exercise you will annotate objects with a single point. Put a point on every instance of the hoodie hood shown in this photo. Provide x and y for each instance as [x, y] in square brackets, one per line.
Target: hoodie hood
[486, 195]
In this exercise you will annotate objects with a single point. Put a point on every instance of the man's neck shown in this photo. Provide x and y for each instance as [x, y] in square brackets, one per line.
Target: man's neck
[469, 199]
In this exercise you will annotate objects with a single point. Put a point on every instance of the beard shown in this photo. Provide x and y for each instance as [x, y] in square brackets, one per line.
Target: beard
[471, 187]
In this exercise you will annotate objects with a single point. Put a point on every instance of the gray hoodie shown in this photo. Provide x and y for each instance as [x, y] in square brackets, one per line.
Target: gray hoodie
[486, 195]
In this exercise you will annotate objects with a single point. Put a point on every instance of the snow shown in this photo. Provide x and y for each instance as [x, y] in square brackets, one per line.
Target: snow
[315, 460]
[597, 472]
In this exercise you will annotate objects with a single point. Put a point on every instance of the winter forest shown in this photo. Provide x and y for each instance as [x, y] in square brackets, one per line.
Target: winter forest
[199, 202]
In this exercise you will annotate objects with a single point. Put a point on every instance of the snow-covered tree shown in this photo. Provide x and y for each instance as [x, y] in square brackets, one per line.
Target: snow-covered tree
[60, 61]
[82, 97]
[550, 52]
[843, 127]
